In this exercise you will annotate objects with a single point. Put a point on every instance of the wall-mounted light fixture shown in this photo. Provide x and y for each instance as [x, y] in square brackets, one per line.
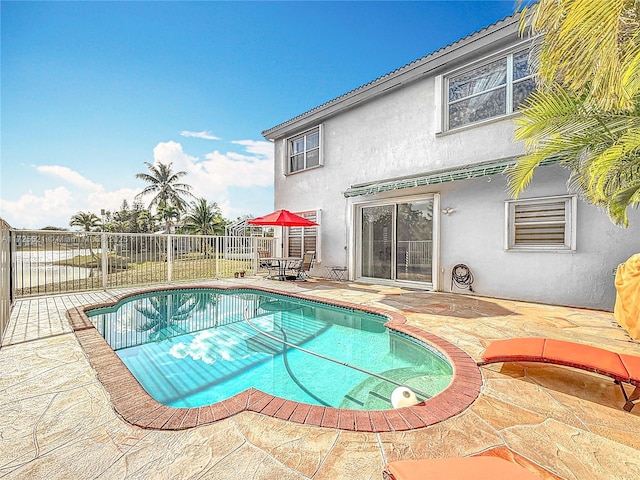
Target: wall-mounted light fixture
[447, 210]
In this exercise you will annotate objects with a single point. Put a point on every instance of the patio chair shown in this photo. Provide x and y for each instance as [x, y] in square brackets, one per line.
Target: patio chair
[466, 468]
[264, 263]
[301, 270]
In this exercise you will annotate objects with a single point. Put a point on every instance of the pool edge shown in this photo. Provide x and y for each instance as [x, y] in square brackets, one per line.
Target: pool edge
[134, 405]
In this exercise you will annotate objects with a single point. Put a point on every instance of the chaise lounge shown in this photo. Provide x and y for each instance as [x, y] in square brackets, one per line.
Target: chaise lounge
[621, 367]
[467, 468]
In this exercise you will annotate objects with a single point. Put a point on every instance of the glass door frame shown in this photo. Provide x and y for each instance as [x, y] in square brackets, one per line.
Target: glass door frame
[356, 257]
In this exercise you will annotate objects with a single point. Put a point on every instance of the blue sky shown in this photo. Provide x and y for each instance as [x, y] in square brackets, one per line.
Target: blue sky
[92, 90]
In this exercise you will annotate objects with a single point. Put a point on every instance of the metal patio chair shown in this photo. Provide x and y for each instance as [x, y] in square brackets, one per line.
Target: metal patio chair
[301, 270]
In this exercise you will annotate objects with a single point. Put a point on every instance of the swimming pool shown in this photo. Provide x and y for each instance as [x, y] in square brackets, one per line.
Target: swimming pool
[195, 347]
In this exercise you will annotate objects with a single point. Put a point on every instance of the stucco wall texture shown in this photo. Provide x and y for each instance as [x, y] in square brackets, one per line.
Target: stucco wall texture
[396, 134]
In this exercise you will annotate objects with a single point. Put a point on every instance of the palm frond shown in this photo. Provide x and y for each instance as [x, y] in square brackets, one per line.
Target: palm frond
[621, 200]
[616, 161]
[588, 42]
[630, 78]
[520, 175]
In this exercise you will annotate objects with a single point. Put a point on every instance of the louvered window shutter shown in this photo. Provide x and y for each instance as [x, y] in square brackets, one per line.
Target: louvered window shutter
[540, 224]
[304, 239]
[546, 223]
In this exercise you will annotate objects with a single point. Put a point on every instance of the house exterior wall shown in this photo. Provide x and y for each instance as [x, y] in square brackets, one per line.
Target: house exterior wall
[397, 134]
[474, 235]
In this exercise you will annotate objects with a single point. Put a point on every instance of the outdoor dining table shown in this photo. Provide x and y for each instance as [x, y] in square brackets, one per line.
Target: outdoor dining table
[282, 264]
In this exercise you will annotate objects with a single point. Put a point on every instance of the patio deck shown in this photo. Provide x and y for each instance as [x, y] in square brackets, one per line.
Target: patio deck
[56, 420]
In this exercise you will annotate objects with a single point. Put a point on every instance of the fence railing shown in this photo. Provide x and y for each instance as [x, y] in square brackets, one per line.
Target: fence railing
[416, 253]
[46, 262]
[6, 296]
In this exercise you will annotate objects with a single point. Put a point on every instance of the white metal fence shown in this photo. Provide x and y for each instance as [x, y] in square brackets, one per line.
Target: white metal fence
[45, 262]
[6, 297]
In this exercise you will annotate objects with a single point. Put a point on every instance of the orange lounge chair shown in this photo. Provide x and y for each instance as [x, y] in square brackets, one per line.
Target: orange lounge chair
[467, 468]
[621, 367]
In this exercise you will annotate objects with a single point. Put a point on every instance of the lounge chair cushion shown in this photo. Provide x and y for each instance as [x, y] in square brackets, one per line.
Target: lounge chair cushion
[476, 468]
[632, 364]
[514, 350]
[560, 352]
[585, 357]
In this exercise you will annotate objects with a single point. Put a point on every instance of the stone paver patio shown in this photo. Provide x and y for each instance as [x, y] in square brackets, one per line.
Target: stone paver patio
[57, 421]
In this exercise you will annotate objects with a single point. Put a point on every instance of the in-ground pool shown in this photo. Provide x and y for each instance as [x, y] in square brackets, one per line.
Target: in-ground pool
[194, 347]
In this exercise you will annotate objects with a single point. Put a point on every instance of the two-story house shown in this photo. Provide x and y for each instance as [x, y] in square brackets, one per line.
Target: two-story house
[404, 176]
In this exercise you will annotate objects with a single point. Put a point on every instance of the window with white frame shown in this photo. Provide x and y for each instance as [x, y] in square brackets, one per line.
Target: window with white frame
[489, 90]
[547, 223]
[304, 151]
[305, 239]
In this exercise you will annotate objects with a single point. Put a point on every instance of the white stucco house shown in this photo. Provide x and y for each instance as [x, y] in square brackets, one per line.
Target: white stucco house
[404, 176]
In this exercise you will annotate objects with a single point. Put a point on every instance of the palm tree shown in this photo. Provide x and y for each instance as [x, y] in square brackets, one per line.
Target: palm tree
[145, 221]
[121, 222]
[89, 222]
[167, 214]
[163, 182]
[586, 111]
[204, 218]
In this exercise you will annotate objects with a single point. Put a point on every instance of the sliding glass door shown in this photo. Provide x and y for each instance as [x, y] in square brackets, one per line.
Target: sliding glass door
[396, 241]
[377, 228]
[414, 244]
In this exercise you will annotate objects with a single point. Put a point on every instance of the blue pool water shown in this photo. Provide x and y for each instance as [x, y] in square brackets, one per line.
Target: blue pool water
[190, 348]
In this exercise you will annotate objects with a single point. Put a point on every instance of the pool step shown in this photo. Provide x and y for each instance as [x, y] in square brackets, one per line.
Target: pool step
[380, 397]
[354, 400]
[371, 394]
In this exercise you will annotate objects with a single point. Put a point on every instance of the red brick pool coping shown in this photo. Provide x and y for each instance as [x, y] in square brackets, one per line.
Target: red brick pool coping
[137, 407]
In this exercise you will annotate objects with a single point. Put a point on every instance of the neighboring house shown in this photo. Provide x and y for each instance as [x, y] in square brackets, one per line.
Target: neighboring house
[404, 177]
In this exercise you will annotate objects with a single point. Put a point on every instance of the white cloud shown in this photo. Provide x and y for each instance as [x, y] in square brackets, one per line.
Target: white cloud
[54, 207]
[204, 135]
[262, 149]
[213, 176]
[68, 175]
[57, 205]
[110, 200]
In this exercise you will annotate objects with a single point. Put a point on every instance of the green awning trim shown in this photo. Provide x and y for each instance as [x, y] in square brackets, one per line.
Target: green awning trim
[465, 172]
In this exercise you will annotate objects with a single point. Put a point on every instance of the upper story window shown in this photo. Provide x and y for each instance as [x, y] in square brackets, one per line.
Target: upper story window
[304, 151]
[489, 90]
[547, 223]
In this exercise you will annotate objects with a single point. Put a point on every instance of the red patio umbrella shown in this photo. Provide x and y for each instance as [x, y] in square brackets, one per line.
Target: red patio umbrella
[283, 218]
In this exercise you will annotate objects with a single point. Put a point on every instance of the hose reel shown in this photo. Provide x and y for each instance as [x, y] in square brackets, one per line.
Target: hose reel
[462, 277]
